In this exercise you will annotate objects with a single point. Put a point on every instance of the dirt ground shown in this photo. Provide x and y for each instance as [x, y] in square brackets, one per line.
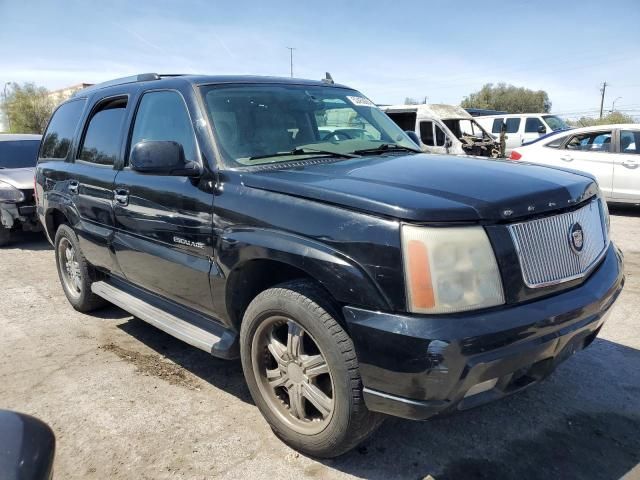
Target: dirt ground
[128, 401]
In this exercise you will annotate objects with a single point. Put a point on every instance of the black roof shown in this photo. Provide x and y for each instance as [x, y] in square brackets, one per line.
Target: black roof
[204, 80]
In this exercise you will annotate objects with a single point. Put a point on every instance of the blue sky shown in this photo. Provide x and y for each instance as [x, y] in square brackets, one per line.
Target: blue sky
[389, 50]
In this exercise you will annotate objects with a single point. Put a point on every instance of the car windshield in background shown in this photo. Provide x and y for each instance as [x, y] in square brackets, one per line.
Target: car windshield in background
[257, 124]
[556, 123]
[19, 153]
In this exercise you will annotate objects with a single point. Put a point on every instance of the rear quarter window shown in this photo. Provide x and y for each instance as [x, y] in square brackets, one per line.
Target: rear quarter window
[62, 126]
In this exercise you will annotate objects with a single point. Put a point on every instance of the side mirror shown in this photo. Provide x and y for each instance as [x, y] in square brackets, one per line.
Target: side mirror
[542, 129]
[162, 158]
[413, 136]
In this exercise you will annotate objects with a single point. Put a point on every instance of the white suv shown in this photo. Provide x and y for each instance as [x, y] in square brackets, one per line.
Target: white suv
[522, 127]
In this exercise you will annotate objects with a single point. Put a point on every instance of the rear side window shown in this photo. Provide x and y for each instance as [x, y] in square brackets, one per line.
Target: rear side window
[163, 116]
[19, 153]
[103, 135]
[62, 126]
[497, 125]
[513, 125]
[555, 143]
[405, 120]
[533, 124]
[426, 133]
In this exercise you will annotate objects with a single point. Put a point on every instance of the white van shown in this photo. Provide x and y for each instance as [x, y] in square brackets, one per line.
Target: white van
[522, 127]
[444, 129]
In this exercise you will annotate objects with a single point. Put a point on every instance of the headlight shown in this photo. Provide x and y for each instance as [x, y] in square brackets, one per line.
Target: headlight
[604, 209]
[10, 194]
[449, 269]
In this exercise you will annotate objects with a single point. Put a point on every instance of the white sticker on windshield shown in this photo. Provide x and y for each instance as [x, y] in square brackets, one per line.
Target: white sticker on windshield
[361, 101]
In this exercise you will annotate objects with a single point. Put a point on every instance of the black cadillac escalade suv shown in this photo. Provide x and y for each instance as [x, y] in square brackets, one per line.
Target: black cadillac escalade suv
[293, 224]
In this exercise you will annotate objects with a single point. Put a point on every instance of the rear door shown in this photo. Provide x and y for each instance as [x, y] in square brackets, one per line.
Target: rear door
[626, 168]
[163, 236]
[91, 174]
[591, 152]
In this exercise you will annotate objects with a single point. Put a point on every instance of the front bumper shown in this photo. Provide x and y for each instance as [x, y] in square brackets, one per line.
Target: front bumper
[21, 215]
[417, 366]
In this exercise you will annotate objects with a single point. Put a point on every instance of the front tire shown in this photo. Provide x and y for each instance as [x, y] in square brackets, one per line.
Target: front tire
[302, 371]
[75, 273]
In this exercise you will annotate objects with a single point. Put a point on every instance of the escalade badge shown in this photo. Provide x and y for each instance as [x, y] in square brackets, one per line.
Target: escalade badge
[576, 237]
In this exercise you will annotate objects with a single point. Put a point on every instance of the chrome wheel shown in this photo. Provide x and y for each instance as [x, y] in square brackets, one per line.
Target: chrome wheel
[293, 375]
[69, 268]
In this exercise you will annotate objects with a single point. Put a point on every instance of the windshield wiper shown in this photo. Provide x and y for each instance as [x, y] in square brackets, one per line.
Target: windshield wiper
[387, 147]
[306, 151]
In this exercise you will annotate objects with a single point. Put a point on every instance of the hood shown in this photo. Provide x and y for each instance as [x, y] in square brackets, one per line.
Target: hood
[430, 188]
[21, 178]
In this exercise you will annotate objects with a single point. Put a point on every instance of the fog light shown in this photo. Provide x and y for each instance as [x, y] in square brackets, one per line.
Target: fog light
[481, 387]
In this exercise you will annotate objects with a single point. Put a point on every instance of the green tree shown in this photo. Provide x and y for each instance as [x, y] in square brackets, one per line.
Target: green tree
[508, 98]
[27, 108]
[611, 118]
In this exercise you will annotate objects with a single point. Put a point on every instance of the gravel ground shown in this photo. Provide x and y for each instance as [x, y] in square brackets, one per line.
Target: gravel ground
[128, 401]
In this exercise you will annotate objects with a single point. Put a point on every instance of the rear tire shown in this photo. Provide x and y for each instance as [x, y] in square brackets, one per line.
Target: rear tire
[302, 371]
[75, 273]
[5, 236]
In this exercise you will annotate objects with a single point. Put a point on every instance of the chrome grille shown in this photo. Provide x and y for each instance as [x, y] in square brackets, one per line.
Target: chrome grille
[544, 247]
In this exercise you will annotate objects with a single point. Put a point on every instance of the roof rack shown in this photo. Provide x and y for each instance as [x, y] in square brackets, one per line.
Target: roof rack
[141, 77]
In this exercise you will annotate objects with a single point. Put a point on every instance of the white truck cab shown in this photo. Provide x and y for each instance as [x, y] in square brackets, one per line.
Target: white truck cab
[522, 127]
[444, 129]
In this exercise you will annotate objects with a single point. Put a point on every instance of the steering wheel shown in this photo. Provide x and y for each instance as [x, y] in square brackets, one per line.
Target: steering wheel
[337, 134]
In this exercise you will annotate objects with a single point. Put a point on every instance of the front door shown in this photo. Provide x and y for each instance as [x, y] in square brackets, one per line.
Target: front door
[626, 167]
[163, 224]
[533, 128]
[433, 137]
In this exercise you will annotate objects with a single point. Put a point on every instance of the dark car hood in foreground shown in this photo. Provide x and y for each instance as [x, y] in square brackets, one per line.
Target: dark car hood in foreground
[436, 188]
[21, 178]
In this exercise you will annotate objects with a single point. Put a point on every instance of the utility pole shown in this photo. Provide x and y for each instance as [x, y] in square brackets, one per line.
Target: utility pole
[291, 49]
[602, 90]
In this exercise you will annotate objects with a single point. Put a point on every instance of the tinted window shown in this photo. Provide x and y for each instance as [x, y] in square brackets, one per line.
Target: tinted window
[426, 133]
[533, 124]
[19, 153]
[497, 125]
[59, 134]
[103, 135]
[163, 116]
[629, 142]
[513, 124]
[591, 142]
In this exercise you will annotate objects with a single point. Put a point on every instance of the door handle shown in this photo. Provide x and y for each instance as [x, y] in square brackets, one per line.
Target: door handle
[566, 158]
[72, 187]
[630, 163]
[121, 196]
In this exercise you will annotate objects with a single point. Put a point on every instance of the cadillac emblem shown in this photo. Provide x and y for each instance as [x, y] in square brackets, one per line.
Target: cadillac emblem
[576, 237]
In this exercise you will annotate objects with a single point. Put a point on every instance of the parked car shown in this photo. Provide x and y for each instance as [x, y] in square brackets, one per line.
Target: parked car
[18, 156]
[444, 129]
[27, 447]
[521, 128]
[353, 277]
[611, 153]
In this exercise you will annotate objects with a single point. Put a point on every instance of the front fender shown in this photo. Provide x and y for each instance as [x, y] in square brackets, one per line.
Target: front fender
[340, 275]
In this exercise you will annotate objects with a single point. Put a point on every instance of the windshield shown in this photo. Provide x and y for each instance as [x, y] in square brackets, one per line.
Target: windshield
[466, 128]
[555, 123]
[257, 124]
[19, 153]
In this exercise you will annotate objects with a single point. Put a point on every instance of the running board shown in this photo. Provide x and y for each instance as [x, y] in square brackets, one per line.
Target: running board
[190, 327]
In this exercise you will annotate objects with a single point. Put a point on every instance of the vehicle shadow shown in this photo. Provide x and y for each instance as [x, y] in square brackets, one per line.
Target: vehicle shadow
[582, 422]
[624, 210]
[224, 374]
[32, 241]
